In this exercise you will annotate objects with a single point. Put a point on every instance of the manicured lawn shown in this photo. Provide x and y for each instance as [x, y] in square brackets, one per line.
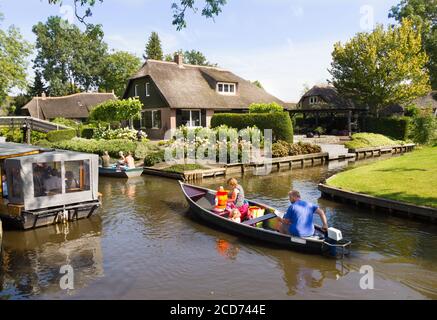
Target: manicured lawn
[368, 140]
[181, 168]
[411, 178]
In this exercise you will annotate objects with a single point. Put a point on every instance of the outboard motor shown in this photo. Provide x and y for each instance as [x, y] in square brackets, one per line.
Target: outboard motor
[334, 241]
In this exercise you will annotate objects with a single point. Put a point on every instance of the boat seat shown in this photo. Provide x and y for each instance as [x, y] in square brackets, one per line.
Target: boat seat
[260, 219]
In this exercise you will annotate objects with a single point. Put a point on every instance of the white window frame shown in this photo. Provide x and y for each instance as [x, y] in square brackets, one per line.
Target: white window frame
[147, 89]
[313, 100]
[191, 117]
[228, 85]
[136, 91]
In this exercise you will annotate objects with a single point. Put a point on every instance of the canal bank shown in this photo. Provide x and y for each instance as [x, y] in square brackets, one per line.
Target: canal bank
[145, 244]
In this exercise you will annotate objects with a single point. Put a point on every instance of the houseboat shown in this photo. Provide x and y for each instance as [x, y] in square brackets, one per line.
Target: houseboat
[41, 187]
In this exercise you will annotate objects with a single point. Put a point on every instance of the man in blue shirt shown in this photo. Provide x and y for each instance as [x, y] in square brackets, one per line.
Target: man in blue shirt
[298, 221]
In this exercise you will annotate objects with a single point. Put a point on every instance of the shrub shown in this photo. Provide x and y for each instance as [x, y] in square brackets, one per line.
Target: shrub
[87, 132]
[424, 129]
[279, 122]
[181, 168]
[60, 135]
[154, 158]
[102, 133]
[66, 122]
[279, 150]
[283, 149]
[395, 127]
[265, 108]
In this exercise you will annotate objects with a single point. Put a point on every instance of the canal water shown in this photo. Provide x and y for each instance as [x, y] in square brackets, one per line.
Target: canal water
[145, 244]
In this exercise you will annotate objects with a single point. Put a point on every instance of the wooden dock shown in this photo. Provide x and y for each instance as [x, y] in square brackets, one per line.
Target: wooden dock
[364, 153]
[374, 203]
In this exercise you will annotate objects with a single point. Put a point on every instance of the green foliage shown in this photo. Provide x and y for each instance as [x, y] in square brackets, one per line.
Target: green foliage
[102, 133]
[211, 9]
[283, 149]
[16, 135]
[60, 135]
[87, 132]
[424, 13]
[154, 48]
[258, 84]
[382, 68]
[368, 140]
[278, 122]
[181, 168]
[424, 129]
[412, 111]
[396, 127]
[98, 146]
[265, 108]
[154, 158]
[68, 60]
[117, 110]
[67, 122]
[14, 51]
[119, 67]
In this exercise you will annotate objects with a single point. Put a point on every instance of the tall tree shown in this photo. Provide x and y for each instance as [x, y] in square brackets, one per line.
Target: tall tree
[424, 13]
[193, 57]
[211, 9]
[119, 67]
[14, 51]
[38, 87]
[68, 59]
[383, 67]
[154, 48]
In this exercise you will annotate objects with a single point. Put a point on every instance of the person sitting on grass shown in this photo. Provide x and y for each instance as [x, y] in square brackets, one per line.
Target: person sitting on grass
[237, 200]
[298, 221]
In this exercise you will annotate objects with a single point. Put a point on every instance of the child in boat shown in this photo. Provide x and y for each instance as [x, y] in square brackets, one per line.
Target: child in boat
[221, 200]
[235, 215]
[237, 200]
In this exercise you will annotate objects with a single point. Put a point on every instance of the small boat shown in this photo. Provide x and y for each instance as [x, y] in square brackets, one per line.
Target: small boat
[202, 203]
[120, 172]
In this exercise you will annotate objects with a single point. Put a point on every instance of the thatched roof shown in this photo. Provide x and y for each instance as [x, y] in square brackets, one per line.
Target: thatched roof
[330, 95]
[76, 106]
[188, 86]
[428, 101]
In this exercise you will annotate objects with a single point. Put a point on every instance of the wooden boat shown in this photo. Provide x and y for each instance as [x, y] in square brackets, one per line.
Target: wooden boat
[44, 187]
[202, 202]
[120, 172]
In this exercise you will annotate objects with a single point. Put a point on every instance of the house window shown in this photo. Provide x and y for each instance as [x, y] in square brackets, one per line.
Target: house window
[147, 89]
[191, 118]
[136, 91]
[313, 100]
[151, 119]
[77, 176]
[227, 88]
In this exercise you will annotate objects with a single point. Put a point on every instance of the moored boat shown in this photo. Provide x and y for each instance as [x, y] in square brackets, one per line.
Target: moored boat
[202, 203]
[120, 172]
[41, 187]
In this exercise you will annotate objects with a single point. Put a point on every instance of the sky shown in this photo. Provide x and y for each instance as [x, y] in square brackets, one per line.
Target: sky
[285, 44]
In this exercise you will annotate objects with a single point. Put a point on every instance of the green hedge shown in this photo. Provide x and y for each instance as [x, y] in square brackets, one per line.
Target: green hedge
[397, 127]
[279, 122]
[60, 135]
[87, 133]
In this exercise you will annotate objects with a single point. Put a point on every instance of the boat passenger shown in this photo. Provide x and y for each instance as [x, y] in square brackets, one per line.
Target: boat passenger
[4, 187]
[122, 159]
[298, 221]
[237, 200]
[53, 183]
[106, 160]
[235, 215]
[70, 181]
[129, 161]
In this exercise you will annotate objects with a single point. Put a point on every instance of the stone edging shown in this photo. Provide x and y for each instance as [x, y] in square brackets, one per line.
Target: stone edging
[392, 206]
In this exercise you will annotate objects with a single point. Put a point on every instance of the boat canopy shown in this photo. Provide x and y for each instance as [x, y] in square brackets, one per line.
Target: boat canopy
[52, 179]
[12, 150]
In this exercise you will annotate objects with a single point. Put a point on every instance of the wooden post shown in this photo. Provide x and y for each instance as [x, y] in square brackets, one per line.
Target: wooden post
[349, 122]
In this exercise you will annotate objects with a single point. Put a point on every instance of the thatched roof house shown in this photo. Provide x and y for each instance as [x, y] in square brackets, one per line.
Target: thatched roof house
[175, 94]
[75, 107]
[428, 101]
[325, 96]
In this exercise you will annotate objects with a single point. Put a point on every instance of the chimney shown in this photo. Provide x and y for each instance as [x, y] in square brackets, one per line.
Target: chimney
[43, 96]
[179, 59]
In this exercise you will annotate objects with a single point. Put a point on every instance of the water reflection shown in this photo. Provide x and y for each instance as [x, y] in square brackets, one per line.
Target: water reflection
[32, 259]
